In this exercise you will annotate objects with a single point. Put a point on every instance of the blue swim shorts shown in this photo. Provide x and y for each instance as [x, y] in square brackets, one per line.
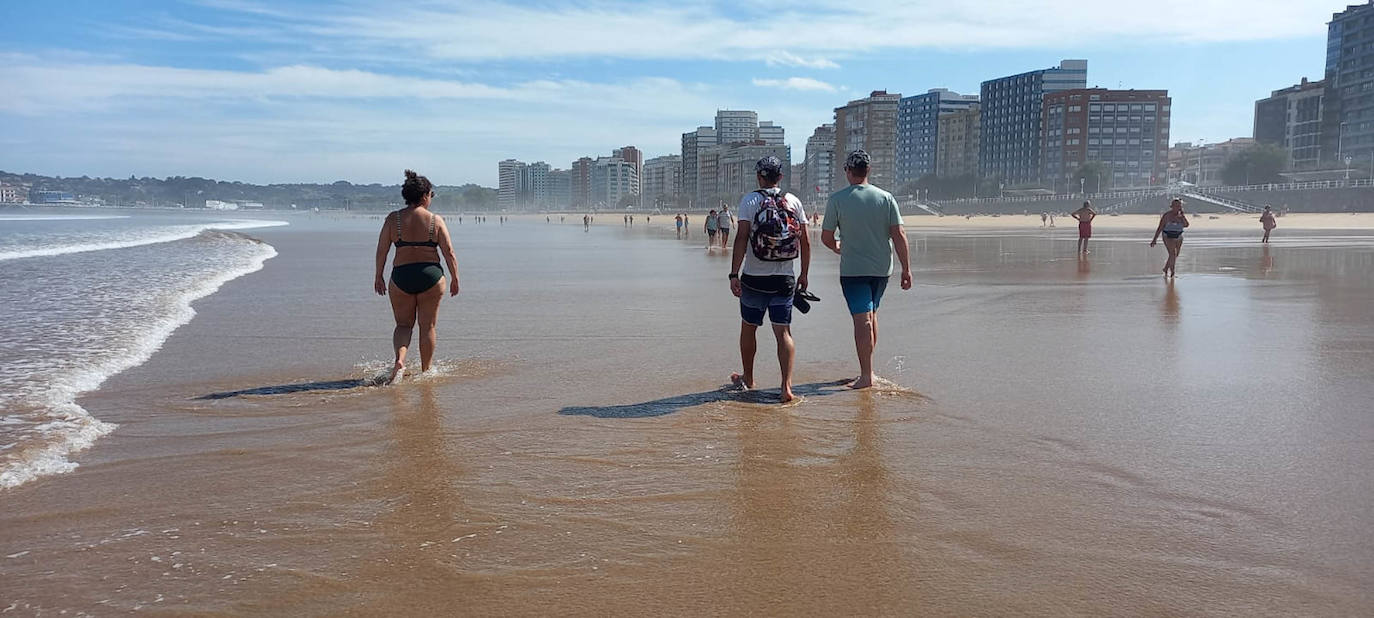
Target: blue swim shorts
[770, 293]
[863, 294]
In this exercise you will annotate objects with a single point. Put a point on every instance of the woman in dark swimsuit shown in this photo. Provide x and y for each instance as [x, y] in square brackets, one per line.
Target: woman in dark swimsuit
[417, 279]
[1171, 224]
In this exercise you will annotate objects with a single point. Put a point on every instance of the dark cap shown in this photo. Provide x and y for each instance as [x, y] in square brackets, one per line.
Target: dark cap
[769, 165]
[857, 159]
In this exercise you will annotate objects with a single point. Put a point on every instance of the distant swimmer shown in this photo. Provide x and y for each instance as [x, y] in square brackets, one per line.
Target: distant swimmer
[871, 225]
[723, 223]
[417, 279]
[772, 238]
[1268, 223]
[711, 223]
[1085, 216]
[1171, 225]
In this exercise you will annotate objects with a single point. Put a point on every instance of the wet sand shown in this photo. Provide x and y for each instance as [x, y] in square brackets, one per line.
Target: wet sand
[1061, 436]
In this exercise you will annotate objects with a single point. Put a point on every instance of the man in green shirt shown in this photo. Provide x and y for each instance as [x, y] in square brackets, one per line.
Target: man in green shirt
[870, 225]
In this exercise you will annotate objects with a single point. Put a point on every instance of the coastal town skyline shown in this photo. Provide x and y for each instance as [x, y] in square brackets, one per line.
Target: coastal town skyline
[281, 93]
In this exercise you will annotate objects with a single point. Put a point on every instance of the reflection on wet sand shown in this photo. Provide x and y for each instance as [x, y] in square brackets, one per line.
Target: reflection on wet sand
[810, 532]
[1170, 310]
[419, 573]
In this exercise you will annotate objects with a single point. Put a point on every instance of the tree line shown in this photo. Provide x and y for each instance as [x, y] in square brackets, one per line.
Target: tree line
[192, 192]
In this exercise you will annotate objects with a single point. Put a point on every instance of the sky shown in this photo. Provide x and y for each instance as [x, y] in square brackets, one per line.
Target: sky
[297, 91]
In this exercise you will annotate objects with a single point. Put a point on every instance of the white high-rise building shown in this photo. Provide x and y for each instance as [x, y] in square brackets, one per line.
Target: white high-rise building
[511, 187]
[733, 125]
[662, 182]
[613, 179]
[818, 167]
[771, 133]
[538, 184]
[692, 143]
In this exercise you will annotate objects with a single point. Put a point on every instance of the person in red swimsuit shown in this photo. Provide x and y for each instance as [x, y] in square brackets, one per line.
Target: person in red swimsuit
[1085, 216]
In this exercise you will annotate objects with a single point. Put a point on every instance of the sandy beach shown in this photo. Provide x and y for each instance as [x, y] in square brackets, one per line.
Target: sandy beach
[1055, 436]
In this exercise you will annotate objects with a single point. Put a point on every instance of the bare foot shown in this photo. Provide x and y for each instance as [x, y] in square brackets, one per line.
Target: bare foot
[741, 381]
[397, 372]
[787, 396]
[861, 383]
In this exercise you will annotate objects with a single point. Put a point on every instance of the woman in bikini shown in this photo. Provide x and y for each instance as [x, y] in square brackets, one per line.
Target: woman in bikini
[417, 279]
[1171, 224]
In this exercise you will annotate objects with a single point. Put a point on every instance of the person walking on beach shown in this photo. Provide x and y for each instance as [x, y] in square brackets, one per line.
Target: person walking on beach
[711, 223]
[723, 223]
[1085, 216]
[1267, 221]
[677, 220]
[1171, 225]
[871, 224]
[417, 279]
[586, 222]
[1043, 217]
[772, 238]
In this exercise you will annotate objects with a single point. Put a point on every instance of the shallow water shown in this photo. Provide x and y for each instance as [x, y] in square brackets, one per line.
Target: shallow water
[1059, 436]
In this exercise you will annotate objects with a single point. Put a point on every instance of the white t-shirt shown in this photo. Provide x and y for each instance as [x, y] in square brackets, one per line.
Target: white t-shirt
[723, 220]
[748, 207]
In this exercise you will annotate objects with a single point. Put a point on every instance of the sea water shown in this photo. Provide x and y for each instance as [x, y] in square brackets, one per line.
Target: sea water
[86, 296]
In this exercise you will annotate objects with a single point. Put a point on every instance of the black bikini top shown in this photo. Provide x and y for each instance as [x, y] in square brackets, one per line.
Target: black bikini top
[415, 243]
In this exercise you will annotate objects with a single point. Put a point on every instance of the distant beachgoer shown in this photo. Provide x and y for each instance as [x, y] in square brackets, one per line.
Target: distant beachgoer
[1051, 219]
[871, 223]
[772, 238]
[586, 222]
[1267, 221]
[677, 220]
[723, 223]
[1085, 216]
[1171, 224]
[417, 279]
[1044, 216]
[711, 223]
[561, 218]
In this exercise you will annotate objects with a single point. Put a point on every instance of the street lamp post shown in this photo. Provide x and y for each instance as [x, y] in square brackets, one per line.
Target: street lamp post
[1083, 186]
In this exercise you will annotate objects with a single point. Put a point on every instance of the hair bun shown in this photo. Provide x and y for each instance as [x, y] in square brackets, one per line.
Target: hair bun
[410, 175]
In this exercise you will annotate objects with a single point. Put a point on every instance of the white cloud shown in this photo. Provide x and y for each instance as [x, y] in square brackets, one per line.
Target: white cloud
[121, 119]
[87, 86]
[795, 83]
[807, 34]
[784, 58]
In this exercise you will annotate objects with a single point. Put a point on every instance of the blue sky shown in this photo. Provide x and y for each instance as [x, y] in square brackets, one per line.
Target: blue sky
[294, 91]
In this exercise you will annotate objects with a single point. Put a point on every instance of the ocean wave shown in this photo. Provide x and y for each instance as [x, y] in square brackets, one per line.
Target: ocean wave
[139, 238]
[66, 427]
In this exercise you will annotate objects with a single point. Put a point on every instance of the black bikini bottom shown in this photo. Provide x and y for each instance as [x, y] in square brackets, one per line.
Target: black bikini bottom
[417, 277]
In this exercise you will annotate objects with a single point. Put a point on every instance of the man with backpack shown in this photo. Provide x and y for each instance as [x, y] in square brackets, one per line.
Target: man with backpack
[771, 239]
[871, 228]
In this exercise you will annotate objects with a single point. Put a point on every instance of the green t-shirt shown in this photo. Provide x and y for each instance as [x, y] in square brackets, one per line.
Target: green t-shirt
[864, 216]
